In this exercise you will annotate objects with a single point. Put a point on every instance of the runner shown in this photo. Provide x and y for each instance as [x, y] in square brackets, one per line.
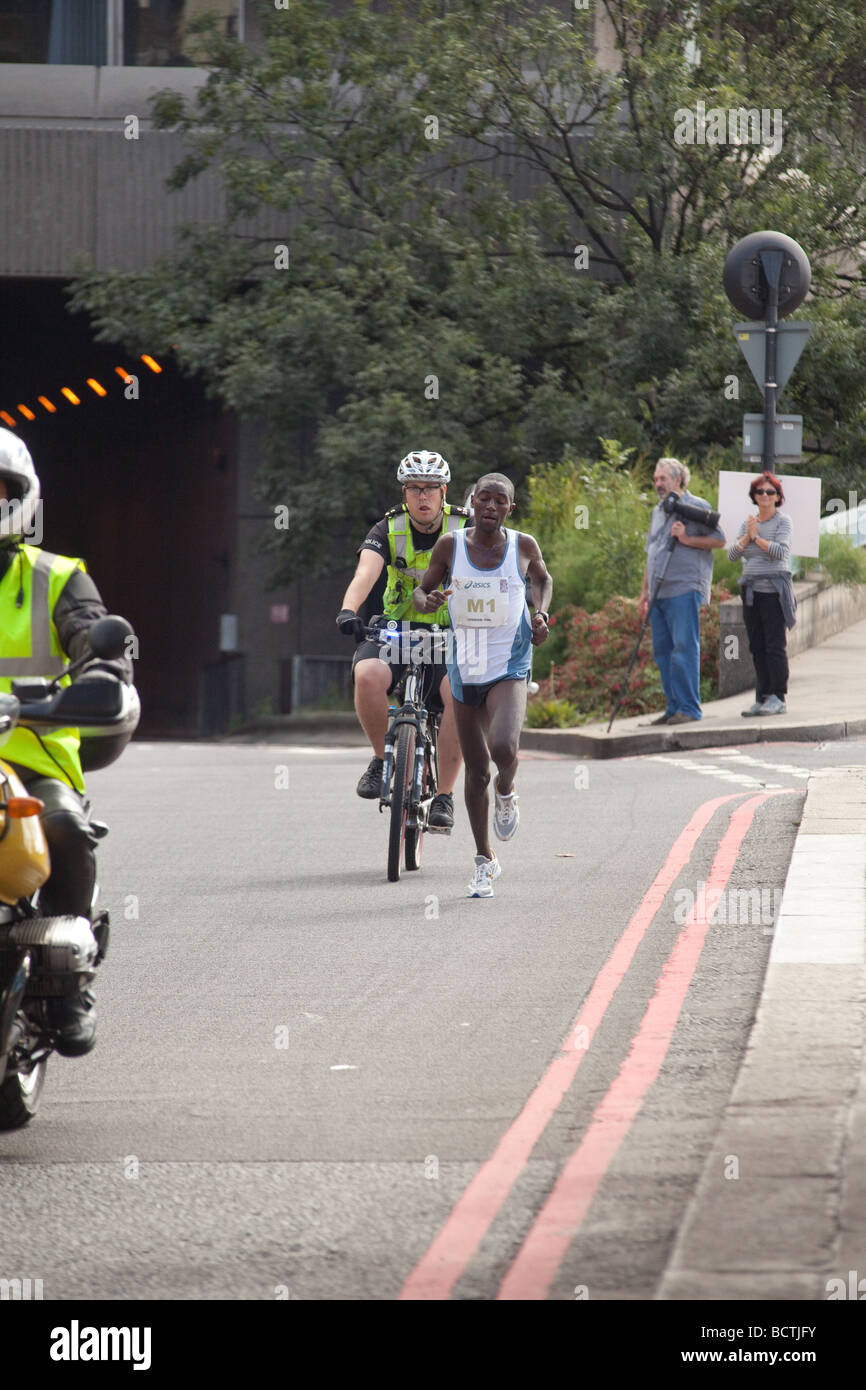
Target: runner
[490, 570]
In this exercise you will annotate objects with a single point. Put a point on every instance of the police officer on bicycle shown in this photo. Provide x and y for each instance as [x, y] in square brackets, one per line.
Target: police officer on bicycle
[402, 543]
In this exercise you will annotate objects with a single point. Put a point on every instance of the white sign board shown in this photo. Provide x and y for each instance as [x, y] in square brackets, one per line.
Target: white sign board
[802, 504]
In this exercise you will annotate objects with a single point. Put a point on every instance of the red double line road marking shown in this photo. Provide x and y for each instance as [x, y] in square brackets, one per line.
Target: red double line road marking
[544, 1249]
[449, 1254]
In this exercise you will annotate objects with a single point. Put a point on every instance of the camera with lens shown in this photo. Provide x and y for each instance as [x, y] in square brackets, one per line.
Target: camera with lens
[685, 511]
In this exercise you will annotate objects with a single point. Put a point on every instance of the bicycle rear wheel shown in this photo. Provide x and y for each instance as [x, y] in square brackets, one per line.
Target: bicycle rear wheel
[404, 763]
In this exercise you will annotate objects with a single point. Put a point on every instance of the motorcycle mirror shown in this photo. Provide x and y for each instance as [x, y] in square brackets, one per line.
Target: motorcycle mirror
[108, 637]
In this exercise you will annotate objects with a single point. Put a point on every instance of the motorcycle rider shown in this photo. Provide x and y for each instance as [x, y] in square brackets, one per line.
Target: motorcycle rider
[403, 541]
[47, 605]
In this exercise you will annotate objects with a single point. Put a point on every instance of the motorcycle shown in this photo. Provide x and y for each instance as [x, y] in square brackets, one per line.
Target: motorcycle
[46, 957]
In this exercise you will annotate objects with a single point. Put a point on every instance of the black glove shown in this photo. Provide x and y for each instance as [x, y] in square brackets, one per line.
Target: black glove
[348, 622]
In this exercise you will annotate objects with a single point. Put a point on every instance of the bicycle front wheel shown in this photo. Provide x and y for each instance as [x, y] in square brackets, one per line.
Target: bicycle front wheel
[401, 787]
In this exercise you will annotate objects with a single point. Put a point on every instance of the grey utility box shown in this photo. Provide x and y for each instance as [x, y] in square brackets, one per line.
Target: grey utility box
[788, 443]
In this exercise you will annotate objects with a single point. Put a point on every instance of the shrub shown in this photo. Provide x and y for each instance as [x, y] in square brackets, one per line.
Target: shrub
[547, 714]
[845, 563]
[591, 519]
[597, 650]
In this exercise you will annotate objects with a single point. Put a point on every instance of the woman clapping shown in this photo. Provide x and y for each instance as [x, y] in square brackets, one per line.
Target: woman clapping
[769, 606]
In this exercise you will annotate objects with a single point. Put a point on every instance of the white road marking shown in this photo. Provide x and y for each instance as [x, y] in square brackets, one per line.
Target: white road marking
[311, 748]
[733, 755]
[721, 774]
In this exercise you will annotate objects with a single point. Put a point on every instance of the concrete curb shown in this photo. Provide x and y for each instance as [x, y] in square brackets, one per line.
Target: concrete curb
[793, 1218]
[337, 727]
[593, 742]
[589, 742]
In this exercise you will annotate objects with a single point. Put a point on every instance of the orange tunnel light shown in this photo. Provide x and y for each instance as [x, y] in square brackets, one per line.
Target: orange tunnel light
[43, 400]
[123, 373]
[28, 414]
[10, 420]
[149, 362]
[95, 386]
[70, 395]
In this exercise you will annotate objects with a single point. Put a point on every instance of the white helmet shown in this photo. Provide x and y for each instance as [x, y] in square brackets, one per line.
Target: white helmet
[17, 472]
[422, 463]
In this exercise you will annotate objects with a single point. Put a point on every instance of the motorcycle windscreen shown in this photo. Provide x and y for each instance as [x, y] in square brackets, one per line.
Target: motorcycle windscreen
[24, 862]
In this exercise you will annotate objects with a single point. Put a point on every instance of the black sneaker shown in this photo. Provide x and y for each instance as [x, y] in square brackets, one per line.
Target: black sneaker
[72, 1021]
[441, 816]
[371, 782]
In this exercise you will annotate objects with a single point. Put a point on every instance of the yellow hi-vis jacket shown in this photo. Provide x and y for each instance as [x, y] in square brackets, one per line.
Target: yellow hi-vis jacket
[404, 578]
[29, 646]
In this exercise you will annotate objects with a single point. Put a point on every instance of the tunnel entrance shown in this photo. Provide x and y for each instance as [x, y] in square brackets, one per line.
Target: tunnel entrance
[140, 481]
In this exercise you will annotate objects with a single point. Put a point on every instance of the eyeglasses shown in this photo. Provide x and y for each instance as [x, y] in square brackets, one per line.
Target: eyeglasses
[417, 491]
[765, 492]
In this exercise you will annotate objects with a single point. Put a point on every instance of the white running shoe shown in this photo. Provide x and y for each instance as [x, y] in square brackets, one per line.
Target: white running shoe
[486, 870]
[506, 816]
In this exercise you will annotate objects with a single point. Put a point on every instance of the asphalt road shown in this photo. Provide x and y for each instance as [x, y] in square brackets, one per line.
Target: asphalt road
[302, 1068]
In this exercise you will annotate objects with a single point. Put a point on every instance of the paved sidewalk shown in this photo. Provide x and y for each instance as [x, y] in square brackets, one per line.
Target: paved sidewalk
[826, 700]
[780, 1208]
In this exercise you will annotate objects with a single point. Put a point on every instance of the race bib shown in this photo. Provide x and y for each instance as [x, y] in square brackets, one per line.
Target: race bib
[479, 602]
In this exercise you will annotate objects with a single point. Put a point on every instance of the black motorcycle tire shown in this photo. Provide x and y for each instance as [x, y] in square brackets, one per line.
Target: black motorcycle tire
[404, 765]
[20, 1095]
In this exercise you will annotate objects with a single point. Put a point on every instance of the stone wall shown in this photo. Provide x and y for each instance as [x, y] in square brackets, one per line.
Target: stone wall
[821, 613]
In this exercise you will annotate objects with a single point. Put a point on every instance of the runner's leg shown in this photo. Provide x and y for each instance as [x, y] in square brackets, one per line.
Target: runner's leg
[470, 731]
[450, 756]
[506, 707]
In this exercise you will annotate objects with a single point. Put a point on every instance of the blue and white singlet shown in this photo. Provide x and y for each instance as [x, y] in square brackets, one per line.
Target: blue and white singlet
[492, 632]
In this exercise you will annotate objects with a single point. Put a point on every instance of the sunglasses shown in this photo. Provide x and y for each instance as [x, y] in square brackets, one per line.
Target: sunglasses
[765, 492]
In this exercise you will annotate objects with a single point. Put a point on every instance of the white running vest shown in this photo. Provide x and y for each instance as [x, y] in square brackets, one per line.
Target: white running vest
[491, 629]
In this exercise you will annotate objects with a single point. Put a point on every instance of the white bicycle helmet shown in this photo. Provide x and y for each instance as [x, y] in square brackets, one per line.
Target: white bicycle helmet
[424, 463]
[17, 472]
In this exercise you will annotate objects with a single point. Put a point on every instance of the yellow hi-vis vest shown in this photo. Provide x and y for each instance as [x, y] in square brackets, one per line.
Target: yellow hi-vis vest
[29, 646]
[404, 578]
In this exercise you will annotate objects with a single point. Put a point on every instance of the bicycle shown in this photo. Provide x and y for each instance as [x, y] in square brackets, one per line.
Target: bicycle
[410, 769]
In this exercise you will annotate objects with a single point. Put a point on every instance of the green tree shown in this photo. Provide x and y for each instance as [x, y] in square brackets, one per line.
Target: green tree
[406, 198]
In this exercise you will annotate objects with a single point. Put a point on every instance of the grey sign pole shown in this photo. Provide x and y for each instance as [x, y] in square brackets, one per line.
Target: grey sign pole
[771, 264]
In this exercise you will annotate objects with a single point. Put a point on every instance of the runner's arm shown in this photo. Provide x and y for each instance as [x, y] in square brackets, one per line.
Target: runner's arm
[540, 585]
[540, 581]
[428, 596]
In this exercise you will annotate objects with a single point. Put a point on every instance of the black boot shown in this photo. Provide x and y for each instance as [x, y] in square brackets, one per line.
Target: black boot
[72, 1022]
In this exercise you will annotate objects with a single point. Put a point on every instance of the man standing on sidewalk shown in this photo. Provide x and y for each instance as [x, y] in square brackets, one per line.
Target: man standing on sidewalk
[675, 617]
